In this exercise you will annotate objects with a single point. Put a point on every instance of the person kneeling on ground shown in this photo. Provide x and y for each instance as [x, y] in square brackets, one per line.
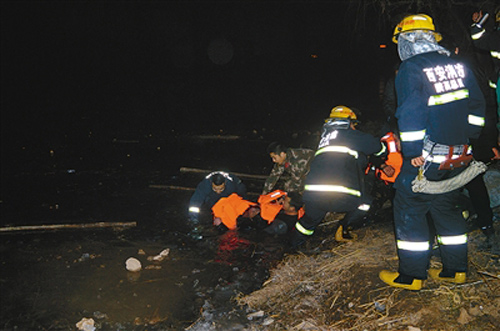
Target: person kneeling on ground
[336, 180]
[211, 189]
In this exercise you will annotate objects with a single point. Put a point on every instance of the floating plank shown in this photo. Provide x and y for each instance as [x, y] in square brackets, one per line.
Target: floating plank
[217, 137]
[171, 187]
[185, 169]
[182, 188]
[67, 226]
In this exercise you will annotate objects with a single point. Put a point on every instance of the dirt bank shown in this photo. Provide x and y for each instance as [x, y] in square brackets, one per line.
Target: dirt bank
[337, 288]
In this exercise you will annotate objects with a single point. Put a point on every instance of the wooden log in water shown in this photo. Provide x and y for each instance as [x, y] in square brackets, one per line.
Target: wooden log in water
[241, 175]
[182, 188]
[172, 187]
[67, 226]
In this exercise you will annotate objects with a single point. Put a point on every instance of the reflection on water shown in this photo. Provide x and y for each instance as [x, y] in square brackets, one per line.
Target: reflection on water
[232, 248]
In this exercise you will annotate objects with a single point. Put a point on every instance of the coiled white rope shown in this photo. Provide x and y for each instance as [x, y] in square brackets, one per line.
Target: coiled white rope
[421, 185]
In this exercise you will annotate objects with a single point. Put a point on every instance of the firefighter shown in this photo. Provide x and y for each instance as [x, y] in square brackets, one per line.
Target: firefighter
[389, 103]
[440, 106]
[488, 39]
[214, 186]
[335, 182]
[289, 170]
[485, 148]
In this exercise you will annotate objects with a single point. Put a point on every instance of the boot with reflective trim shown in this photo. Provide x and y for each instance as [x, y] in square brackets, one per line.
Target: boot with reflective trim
[459, 277]
[344, 235]
[392, 278]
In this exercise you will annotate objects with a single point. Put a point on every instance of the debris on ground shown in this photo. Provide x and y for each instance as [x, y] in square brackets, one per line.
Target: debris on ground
[337, 288]
[86, 324]
[133, 264]
[160, 257]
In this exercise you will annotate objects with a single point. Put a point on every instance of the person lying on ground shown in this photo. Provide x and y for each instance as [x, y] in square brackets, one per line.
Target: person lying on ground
[275, 213]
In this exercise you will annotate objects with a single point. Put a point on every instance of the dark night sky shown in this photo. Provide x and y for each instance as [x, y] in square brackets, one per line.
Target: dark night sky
[128, 68]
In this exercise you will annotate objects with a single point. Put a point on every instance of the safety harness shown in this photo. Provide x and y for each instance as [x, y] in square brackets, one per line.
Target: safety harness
[448, 158]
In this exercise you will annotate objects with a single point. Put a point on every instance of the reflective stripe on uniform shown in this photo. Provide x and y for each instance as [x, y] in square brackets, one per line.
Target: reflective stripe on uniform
[338, 149]
[332, 188]
[412, 135]
[392, 147]
[475, 120]
[478, 35]
[382, 150]
[413, 246]
[194, 209]
[492, 84]
[495, 54]
[303, 230]
[452, 240]
[224, 174]
[364, 207]
[441, 99]
[438, 158]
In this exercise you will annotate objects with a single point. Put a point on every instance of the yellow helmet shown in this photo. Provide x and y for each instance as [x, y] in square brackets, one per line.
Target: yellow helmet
[342, 112]
[415, 22]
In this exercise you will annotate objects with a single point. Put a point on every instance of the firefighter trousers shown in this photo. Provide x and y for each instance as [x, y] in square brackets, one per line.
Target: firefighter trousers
[480, 201]
[317, 204]
[413, 234]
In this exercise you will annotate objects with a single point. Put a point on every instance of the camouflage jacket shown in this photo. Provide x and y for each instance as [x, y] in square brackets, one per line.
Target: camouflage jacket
[292, 173]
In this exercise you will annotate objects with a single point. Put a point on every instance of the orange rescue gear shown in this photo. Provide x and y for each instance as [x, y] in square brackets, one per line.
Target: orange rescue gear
[452, 163]
[270, 206]
[394, 158]
[301, 213]
[230, 208]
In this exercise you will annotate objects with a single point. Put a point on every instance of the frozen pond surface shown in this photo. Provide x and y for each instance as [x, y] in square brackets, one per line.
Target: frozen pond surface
[52, 279]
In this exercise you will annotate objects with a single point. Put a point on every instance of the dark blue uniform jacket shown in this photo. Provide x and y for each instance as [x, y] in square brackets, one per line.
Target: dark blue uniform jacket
[206, 197]
[340, 168]
[438, 97]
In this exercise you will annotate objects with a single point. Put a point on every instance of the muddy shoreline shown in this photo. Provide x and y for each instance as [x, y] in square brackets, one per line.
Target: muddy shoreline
[50, 280]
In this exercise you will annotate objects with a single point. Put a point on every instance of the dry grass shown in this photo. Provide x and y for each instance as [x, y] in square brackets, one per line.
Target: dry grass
[338, 289]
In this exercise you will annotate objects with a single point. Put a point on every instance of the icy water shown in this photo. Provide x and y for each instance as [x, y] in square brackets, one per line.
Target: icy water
[52, 279]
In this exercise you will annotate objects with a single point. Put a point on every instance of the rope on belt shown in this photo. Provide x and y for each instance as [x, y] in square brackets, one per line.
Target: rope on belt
[421, 185]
